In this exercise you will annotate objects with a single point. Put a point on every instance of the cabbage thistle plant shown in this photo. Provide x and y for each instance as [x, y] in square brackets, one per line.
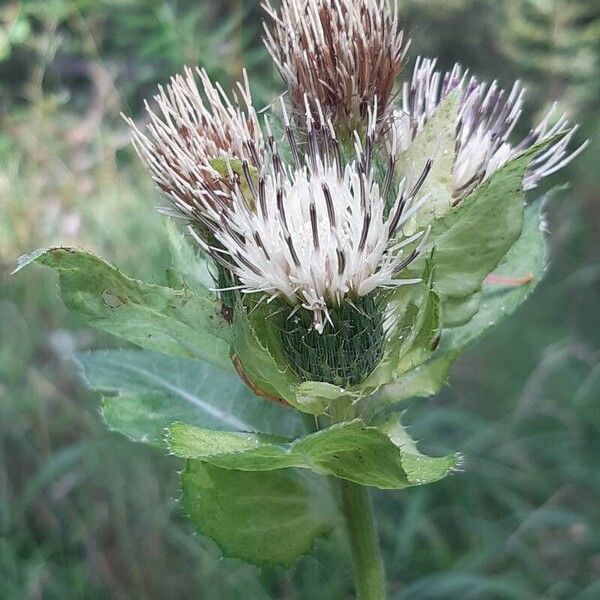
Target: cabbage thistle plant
[332, 257]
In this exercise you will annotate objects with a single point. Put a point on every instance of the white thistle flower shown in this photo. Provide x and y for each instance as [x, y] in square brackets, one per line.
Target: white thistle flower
[487, 118]
[342, 54]
[189, 131]
[315, 233]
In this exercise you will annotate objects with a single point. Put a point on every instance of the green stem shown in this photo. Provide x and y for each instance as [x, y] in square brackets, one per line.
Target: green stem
[369, 573]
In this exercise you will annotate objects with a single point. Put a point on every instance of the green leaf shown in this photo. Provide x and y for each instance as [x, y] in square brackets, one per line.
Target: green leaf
[258, 517]
[415, 337]
[458, 311]
[525, 264]
[437, 141]
[314, 397]
[145, 393]
[251, 346]
[472, 239]
[420, 469]
[177, 322]
[350, 450]
[526, 260]
[187, 259]
[423, 381]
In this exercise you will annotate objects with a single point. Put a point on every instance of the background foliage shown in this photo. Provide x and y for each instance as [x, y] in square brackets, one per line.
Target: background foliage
[85, 514]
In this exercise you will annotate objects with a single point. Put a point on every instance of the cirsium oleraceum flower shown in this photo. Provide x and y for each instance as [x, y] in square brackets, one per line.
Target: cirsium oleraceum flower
[488, 115]
[338, 54]
[314, 231]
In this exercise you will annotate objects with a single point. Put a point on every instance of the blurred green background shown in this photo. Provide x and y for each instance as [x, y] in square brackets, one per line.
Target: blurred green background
[86, 514]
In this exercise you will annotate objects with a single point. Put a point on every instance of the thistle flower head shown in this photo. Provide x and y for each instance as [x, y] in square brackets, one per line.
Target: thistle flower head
[315, 232]
[487, 117]
[190, 131]
[341, 54]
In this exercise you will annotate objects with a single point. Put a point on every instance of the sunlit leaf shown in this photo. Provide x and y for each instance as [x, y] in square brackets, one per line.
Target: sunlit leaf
[351, 450]
[177, 322]
[511, 283]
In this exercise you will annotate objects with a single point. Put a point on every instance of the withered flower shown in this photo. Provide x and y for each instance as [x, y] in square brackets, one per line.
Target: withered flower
[194, 135]
[339, 54]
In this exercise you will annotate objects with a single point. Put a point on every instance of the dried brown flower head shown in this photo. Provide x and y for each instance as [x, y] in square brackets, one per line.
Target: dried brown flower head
[183, 141]
[340, 54]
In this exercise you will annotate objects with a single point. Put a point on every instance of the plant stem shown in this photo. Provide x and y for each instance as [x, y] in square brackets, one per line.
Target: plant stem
[369, 573]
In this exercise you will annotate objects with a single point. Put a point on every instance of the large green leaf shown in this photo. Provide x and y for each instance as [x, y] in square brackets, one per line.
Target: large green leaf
[474, 237]
[145, 393]
[256, 516]
[177, 322]
[436, 141]
[350, 450]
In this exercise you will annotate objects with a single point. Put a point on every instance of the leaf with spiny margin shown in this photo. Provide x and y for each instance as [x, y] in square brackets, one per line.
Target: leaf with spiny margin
[351, 450]
[182, 322]
[262, 518]
[144, 393]
[436, 141]
[527, 258]
[420, 469]
[423, 381]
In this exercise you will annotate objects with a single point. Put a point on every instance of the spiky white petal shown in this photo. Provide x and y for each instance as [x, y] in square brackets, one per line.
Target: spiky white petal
[315, 232]
[305, 246]
[487, 118]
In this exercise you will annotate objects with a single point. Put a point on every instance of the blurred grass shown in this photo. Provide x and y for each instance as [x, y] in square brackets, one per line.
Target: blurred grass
[84, 514]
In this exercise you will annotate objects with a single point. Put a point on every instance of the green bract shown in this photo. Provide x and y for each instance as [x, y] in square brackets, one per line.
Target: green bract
[436, 140]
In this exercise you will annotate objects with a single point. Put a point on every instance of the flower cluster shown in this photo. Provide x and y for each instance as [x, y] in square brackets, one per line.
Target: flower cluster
[314, 219]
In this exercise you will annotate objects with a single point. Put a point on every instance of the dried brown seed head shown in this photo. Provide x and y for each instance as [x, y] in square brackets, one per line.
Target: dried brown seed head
[340, 55]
